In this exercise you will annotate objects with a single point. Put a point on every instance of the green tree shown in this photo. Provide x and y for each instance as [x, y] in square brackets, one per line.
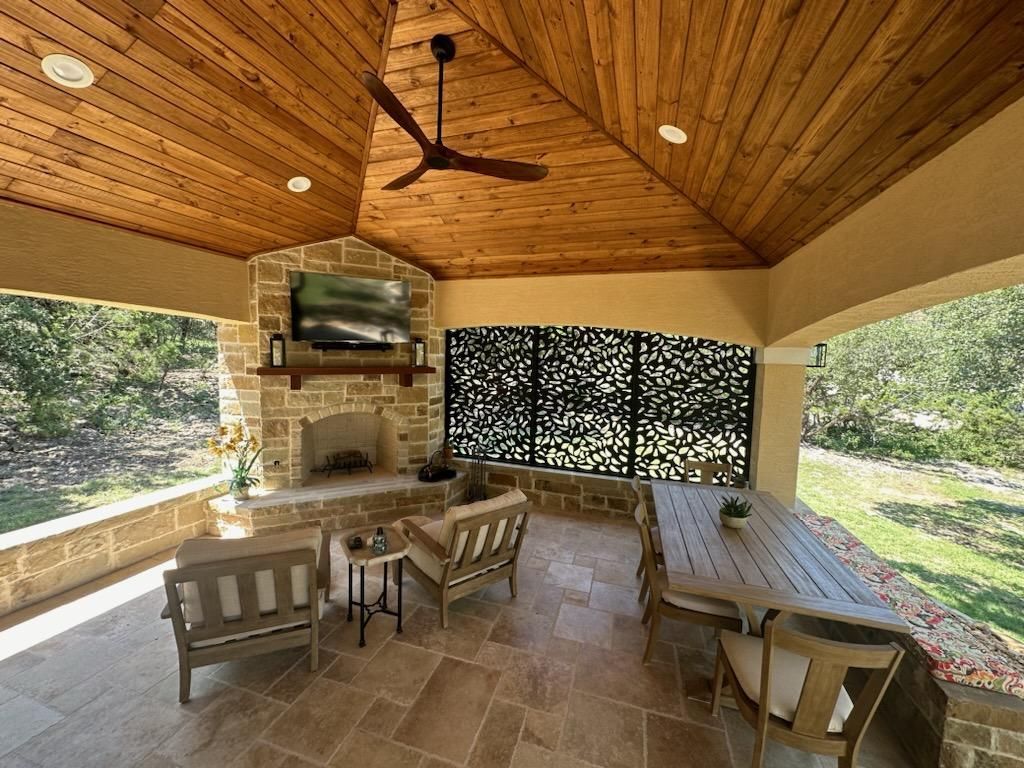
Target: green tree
[64, 364]
[947, 382]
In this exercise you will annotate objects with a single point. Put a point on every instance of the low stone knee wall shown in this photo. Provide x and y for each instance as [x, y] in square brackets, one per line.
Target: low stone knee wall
[944, 724]
[43, 560]
[567, 491]
[333, 508]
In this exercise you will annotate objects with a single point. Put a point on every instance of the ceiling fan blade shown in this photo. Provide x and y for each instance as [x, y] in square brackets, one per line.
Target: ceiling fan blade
[501, 169]
[406, 179]
[390, 104]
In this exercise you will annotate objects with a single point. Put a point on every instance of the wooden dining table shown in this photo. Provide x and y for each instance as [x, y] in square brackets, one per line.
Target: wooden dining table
[774, 563]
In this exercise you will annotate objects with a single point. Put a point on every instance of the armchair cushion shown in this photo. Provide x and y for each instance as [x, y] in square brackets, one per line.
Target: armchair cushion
[202, 551]
[788, 673]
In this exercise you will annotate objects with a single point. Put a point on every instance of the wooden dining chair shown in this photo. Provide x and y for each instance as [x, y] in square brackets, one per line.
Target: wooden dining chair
[673, 604]
[789, 687]
[655, 536]
[708, 470]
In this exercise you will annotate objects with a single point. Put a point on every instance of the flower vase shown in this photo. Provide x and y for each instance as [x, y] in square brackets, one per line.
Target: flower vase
[241, 492]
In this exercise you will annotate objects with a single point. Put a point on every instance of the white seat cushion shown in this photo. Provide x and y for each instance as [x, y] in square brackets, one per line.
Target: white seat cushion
[709, 605]
[202, 551]
[788, 673]
[258, 632]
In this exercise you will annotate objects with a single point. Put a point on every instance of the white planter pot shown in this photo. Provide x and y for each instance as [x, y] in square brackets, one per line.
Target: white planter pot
[732, 522]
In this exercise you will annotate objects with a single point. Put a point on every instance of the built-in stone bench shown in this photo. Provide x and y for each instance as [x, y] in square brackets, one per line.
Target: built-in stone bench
[334, 506]
[941, 723]
[43, 560]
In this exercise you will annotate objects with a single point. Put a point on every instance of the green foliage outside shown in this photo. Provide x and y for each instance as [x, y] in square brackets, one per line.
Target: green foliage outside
[943, 383]
[954, 532]
[65, 365]
[99, 404]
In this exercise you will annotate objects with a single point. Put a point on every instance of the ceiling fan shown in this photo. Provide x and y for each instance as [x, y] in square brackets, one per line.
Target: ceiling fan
[436, 156]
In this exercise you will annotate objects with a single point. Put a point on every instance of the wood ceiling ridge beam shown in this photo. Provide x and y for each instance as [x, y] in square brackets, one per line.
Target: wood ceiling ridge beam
[371, 121]
[455, 4]
[939, 75]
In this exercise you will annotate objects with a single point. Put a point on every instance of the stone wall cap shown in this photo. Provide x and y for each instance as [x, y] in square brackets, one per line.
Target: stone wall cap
[107, 511]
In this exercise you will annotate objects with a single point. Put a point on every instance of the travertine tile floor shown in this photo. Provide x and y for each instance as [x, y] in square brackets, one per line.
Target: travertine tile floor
[550, 678]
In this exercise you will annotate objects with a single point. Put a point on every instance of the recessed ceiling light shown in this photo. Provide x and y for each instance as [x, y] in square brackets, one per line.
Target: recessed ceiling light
[67, 70]
[299, 184]
[672, 134]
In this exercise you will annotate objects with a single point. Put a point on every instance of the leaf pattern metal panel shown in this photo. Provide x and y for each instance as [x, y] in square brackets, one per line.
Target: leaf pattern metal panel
[599, 400]
[696, 401]
[584, 404]
[489, 392]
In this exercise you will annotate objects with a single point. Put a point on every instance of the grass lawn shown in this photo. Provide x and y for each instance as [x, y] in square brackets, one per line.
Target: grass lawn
[20, 506]
[954, 531]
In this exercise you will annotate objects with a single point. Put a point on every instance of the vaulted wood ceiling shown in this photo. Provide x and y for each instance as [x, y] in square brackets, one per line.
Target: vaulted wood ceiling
[797, 114]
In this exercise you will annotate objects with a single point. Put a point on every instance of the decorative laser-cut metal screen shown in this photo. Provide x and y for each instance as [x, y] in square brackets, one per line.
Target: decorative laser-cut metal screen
[598, 400]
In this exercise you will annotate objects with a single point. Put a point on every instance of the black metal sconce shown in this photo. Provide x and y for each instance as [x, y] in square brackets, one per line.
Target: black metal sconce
[277, 352]
[818, 356]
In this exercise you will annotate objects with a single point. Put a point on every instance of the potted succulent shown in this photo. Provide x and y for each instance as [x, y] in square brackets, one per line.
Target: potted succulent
[239, 450]
[734, 512]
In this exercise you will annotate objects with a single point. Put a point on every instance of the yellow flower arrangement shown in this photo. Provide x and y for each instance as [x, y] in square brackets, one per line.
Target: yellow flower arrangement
[239, 450]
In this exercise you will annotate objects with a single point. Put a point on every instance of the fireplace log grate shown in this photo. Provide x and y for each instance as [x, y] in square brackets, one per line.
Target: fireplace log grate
[346, 460]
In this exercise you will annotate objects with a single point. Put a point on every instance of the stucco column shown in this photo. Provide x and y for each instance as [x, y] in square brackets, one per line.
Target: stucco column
[778, 409]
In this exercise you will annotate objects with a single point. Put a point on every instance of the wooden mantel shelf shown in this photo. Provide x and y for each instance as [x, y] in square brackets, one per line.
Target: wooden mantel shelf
[404, 372]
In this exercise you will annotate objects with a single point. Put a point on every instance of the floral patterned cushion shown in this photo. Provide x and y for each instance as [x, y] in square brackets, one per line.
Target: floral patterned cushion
[954, 647]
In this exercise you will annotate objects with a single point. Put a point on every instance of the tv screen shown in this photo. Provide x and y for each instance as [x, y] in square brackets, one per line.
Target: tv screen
[337, 308]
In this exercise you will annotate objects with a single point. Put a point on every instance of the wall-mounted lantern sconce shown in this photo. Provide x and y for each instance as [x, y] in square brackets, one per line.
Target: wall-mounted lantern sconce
[818, 356]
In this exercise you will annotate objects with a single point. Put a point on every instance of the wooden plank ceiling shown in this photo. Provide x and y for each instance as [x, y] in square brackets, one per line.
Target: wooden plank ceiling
[599, 210]
[797, 114]
[201, 112]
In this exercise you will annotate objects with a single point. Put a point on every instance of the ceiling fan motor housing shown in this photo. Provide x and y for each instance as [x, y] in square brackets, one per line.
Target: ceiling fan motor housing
[443, 48]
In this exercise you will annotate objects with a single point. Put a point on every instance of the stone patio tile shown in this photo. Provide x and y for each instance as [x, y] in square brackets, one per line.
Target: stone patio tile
[704, 747]
[463, 638]
[226, 729]
[625, 678]
[21, 718]
[603, 732]
[382, 717]
[620, 574]
[630, 636]
[446, 716]
[398, 672]
[367, 751]
[536, 681]
[319, 720]
[343, 668]
[569, 576]
[499, 734]
[298, 678]
[776, 755]
[132, 726]
[615, 599]
[258, 673]
[67, 667]
[522, 629]
[542, 729]
[204, 691]
[263, 755]
[575, 622]
[531, 756]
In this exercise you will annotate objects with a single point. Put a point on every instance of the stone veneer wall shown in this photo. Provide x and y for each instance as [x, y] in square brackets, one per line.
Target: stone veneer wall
[49, 558]
[573, 492]
[273, 412]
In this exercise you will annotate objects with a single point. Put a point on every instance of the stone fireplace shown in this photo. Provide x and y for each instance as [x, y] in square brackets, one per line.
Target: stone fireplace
[396, 426]
[375, 437]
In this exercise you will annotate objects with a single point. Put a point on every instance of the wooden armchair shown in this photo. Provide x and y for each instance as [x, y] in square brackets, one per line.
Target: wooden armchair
[789, 687]
[473, 546]
[708, 470]
[233, 598]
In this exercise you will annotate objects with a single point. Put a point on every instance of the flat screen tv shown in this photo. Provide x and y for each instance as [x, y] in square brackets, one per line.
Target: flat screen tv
[330, 308]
